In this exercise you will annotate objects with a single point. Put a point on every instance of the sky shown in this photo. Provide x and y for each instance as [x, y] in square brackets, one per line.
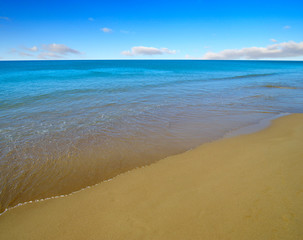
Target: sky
[133, 29]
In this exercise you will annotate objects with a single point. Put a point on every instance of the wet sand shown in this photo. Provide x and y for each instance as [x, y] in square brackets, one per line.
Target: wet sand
[244, 187]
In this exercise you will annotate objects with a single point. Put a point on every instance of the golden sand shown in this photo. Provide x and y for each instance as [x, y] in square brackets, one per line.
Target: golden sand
[245, 187]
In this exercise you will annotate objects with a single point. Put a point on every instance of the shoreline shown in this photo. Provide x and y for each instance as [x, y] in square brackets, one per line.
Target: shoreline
[165, 186]
[243, 130]
[254, 127]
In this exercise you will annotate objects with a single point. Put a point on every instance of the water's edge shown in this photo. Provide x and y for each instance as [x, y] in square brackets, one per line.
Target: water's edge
[248, 129]
[255, 127]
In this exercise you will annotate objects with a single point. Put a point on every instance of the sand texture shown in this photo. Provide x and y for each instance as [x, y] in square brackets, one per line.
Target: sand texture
[244, 187]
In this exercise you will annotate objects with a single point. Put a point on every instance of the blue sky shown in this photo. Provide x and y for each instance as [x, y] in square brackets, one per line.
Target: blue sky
[151, 29]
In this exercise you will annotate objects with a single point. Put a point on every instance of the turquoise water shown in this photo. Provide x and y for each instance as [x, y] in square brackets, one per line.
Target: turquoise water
[65, 125]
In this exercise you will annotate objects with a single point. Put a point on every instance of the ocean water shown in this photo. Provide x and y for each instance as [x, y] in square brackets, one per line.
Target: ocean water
[65, 125]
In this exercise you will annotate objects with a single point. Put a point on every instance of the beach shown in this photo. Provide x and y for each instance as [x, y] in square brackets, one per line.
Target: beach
[67, 125]
[243, 187]
[172, 120]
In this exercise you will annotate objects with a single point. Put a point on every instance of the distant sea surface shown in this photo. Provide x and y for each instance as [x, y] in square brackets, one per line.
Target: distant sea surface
[65, 125]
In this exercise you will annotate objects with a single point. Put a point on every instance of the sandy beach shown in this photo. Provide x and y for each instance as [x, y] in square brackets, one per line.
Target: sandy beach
[244, 187]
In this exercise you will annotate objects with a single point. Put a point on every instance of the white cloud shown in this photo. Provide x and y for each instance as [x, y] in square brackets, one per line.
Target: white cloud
[49, 55]
[25, 54]
[21, 53]
[140, 50]
[4, 18]
[91, 19]
[106, 30]
[33, 49]
[287, 27]
[59, 49]
[46, 51]
[273, 40]
[279, 50]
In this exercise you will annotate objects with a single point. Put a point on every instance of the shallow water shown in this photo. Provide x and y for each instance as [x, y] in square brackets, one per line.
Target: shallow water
[65, 125]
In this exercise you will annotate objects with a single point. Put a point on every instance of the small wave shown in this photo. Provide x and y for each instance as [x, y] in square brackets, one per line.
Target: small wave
[22, 101]
[252, 96]
[281, 87]
[253, 75]
[247, 76]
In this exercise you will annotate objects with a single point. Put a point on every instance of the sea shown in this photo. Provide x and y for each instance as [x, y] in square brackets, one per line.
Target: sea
[66, 125]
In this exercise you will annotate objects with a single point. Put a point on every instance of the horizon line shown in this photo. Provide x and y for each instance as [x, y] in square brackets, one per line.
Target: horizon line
[138, 59]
